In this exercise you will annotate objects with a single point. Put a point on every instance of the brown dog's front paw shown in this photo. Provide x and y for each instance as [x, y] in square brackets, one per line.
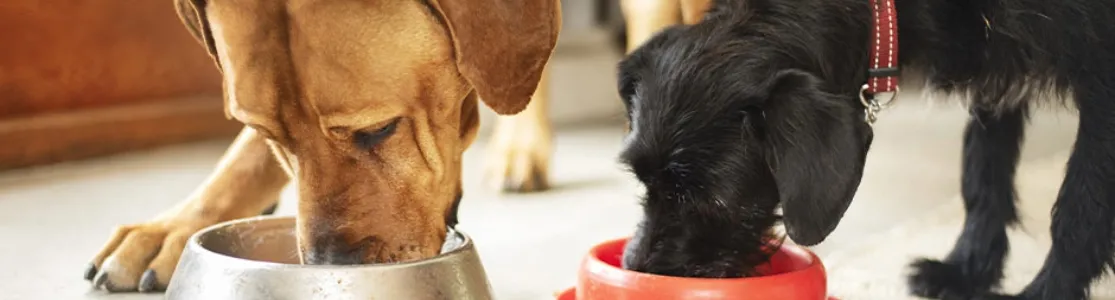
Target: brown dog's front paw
[141, 257]
[519, 172]
[519, 155]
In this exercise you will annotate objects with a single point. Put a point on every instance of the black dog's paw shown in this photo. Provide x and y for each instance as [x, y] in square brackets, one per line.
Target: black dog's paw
[937, 280]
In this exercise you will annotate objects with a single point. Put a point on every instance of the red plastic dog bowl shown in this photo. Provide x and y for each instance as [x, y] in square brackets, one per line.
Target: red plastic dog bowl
[793, 273]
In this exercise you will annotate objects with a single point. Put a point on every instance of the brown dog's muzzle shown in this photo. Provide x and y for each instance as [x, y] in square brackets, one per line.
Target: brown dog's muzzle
[355, 235]
[354, 224]
[371, 220]
[380, 200]
[328, 243]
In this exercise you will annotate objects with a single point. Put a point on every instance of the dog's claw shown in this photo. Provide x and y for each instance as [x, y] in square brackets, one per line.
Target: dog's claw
[537, 182]
[100, 279]
[103, 281]
[148, 281]
[111, 287]
[90, 272]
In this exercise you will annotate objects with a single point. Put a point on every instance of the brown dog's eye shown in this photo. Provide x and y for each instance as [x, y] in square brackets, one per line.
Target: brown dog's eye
[366, 139]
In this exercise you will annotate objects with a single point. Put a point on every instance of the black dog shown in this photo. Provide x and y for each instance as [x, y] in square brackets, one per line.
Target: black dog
[758, 106]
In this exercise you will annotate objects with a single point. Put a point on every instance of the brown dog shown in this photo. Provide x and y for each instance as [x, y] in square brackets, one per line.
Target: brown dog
[370, 105]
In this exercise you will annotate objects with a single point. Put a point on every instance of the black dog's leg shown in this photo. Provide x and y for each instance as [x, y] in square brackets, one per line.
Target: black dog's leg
[975, 265]
[1084, 215]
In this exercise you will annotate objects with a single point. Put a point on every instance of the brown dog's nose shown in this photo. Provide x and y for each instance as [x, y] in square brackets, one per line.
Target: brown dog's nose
[332, 249]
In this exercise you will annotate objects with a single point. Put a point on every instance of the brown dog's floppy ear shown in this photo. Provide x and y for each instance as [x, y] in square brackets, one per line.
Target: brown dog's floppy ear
[192, 13]
[817, 154]
[502, 46]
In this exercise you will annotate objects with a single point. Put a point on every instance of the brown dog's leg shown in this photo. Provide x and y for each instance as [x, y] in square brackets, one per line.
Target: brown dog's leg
[521, 145]
[143, 256]
[693, 10]
[647, 17]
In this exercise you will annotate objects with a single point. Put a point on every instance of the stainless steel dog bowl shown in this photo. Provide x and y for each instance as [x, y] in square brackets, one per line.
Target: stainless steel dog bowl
[257, 258]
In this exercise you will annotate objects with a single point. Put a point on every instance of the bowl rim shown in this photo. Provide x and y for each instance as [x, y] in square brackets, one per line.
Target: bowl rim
[194, 245]
[612, 273]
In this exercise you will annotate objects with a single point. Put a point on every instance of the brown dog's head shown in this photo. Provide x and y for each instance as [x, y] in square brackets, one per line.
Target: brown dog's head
[370, 104]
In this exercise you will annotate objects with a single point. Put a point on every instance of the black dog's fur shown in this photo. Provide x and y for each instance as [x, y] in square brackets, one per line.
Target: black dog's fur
[757, 107]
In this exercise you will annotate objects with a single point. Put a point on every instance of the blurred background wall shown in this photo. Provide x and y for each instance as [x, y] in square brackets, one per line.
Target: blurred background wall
[82, 79]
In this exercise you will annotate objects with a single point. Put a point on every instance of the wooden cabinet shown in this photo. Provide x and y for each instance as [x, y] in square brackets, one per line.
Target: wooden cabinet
[85, 78]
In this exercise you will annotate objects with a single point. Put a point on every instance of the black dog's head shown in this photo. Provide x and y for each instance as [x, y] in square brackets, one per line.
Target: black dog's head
[728, 121]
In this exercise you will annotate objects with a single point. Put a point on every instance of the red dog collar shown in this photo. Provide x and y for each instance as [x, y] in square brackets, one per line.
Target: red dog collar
[883, 74]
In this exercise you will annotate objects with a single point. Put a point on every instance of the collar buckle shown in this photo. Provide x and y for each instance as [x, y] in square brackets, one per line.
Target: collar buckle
[871, 104]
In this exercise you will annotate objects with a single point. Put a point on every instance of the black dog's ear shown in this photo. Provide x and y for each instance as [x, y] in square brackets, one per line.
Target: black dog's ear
[625, 82]
[816, 154]
[192, 13]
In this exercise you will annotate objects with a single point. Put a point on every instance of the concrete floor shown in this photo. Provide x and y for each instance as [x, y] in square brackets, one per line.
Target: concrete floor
[55, 217]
